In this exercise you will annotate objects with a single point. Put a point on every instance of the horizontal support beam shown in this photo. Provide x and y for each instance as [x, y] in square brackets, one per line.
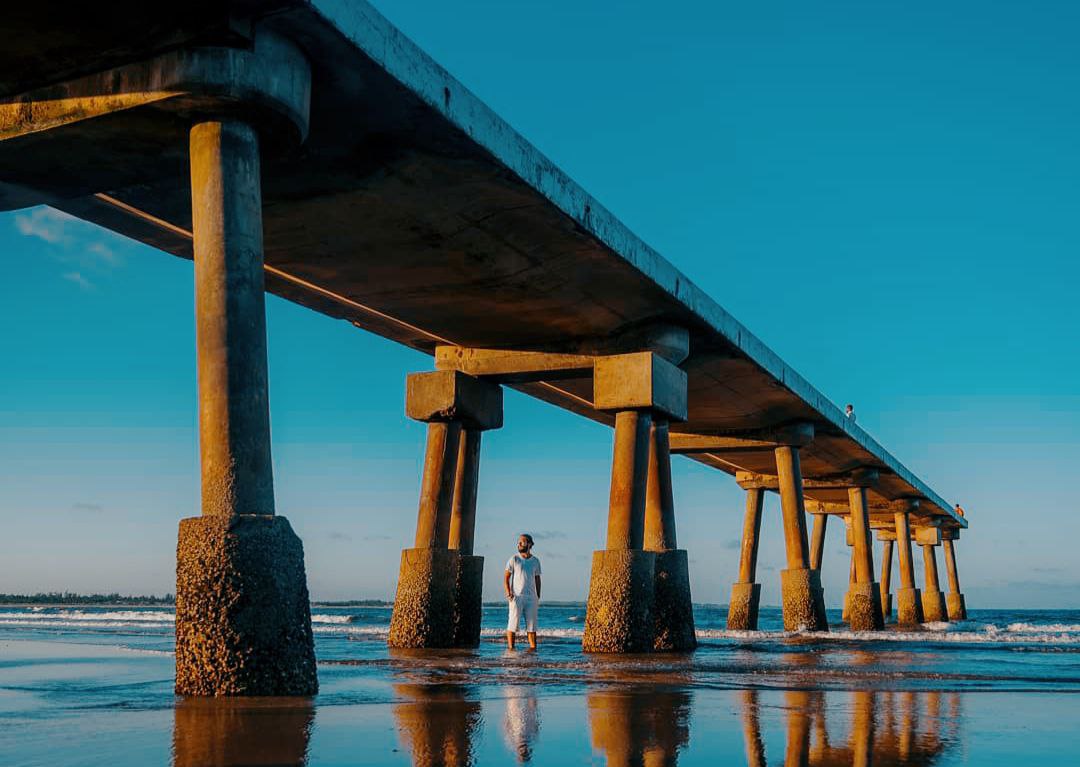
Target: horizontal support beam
[859, 478]
[795, 435]
[510, 366]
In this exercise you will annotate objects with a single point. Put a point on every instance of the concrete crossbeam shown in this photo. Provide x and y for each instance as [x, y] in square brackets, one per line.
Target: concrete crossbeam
[449, 395]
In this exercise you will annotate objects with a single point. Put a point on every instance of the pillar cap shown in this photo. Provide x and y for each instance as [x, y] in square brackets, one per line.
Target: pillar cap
[640, 381]
[450, 395]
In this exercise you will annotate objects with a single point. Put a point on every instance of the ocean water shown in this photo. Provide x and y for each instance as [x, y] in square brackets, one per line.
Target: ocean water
[93, 685]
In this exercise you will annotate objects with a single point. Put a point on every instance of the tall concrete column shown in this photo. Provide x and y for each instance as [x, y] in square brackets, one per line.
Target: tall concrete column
[851, 580]
[466, 483]
[243, 618]
[803, 599]
[886, 579]
[673, 611]
[746, 593]
[864, 603]
[908, 598]
[817, 541]
[954, 600]
[438, 602]
[933, 601]
[619, 612]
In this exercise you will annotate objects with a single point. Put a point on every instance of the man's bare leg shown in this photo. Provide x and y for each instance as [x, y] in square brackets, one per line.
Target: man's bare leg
[532, 640]
[510, 640]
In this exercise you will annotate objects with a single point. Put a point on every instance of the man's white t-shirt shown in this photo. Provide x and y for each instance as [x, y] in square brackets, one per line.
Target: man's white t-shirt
[523, 575]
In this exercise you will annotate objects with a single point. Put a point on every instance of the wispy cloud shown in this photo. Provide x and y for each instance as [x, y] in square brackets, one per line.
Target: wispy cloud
[549, 535]
[377, 538]
[90, 508]
[337, 535]
[78, 279]
[732, 544]
[75, 243]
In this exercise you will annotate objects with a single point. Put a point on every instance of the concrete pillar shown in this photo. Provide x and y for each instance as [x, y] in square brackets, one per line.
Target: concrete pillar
[673, 611]
[864, 603]
[933, 601]
[954, 600]
[469, 598]
[618, 617]
[243, 617]
[800, 585]
[746, 593]
[817, 541]
[886, 578]
[908, 598]
[437, 485]
[851, 582]
[438, 602]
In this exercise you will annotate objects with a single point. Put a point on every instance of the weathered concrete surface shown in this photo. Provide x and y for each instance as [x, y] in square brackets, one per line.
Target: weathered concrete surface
[802, 600]
[743, 608]
[468, 600]
[243, 616]
[493, 245]
[234, 411]
[618, 617]
[933, 606]
[864, 607]
[909, 607]
[956, 607]
[673, 611]
[425, 605]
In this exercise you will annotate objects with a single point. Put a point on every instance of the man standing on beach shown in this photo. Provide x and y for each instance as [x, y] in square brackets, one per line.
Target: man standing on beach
[522, 581]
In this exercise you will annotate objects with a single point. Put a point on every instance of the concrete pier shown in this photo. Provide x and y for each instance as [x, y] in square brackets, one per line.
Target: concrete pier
[640, 389]
[438, 602]
[673, 611]
[886, 579]
[954, 600]
[864, 602]
[933, 601]
[619, 612]
[908, 598]
[243, 620]
[801, 594]
[746, 593]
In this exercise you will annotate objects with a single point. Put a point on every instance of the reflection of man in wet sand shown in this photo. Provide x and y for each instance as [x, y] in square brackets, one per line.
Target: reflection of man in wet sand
[521, 724]
[522, 581]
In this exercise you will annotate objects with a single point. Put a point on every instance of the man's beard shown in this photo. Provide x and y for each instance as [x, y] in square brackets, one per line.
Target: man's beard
[522, 549]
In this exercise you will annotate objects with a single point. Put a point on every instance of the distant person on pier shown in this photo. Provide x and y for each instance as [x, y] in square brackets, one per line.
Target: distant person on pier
[522, 581]
[959, 511]
[849, 413]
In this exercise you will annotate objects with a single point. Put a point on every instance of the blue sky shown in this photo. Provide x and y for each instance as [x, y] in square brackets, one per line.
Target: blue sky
[887, 194]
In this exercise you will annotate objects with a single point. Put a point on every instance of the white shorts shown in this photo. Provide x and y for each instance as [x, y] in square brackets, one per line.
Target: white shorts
[523, 607]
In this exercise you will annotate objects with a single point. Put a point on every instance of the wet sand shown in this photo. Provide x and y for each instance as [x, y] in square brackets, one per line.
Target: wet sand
[75, 704]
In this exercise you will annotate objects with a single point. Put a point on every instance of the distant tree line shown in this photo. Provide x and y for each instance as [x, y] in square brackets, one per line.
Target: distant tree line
[70, 598]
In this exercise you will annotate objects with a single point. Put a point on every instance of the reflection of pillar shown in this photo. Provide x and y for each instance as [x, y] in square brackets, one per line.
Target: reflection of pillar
[243, 618]
[886, 578]
[864, 604]
[223, 732]
[954, 600]
[438, 602]
[908, 599]
[909, 721]
[933, 601]
[862, 728]
[797, 704]
[436, 723]
[755, 746]
[673, 612]
[639, 727]
[746, 594]
[803, 599]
